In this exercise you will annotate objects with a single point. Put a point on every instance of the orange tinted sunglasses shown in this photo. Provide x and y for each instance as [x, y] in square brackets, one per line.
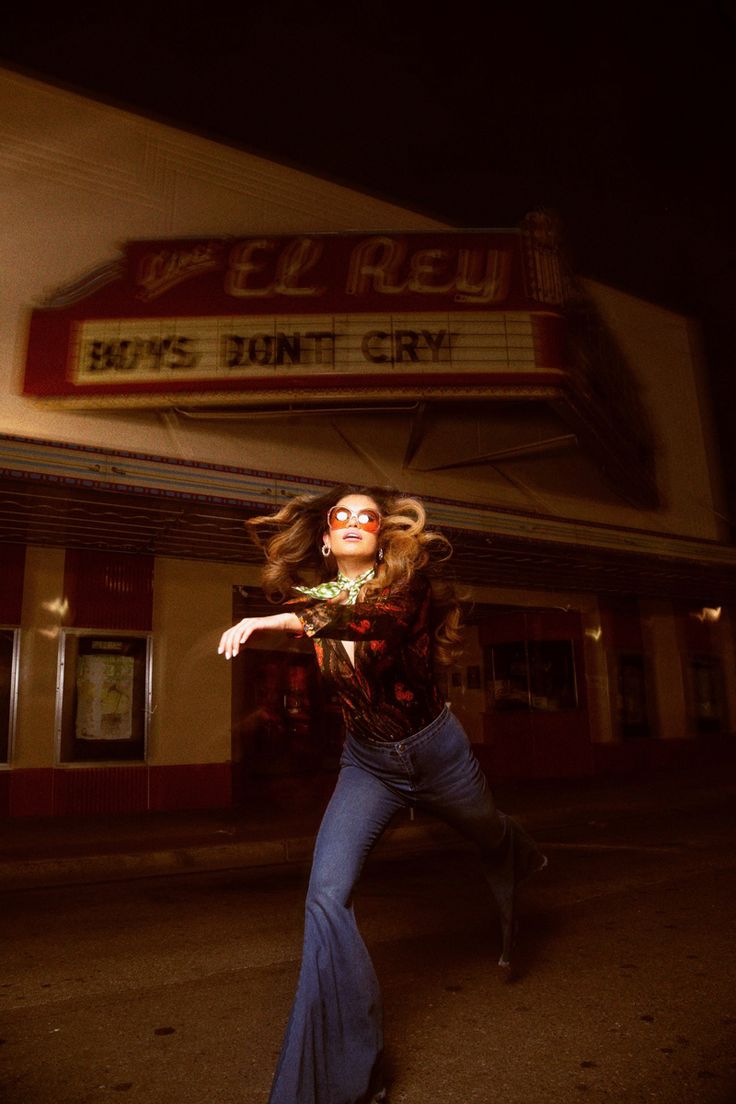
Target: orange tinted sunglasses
[340, 517]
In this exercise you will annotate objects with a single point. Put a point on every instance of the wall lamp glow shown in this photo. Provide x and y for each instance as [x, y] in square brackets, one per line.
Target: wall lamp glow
[59, 605]
[708, 613]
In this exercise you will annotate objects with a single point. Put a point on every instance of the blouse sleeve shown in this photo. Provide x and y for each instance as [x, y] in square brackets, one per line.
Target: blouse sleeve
[390, 616]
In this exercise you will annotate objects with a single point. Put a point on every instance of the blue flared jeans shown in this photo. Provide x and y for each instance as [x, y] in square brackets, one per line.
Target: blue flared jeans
[334, 1041]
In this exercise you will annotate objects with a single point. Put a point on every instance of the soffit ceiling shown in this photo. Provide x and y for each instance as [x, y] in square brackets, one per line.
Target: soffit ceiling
[527, 450]
[48, 514]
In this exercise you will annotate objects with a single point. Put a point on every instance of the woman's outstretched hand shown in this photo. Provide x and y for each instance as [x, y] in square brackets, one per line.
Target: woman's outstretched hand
[232, 639]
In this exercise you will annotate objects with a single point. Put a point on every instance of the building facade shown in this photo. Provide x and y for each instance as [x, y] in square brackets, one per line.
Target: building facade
[558, 430]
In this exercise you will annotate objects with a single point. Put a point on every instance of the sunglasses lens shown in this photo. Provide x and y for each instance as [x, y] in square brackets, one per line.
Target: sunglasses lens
[368, 520]
[340, 517]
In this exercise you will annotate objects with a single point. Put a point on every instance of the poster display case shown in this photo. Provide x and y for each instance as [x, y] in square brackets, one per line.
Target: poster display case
[103, 696]
[8, 689]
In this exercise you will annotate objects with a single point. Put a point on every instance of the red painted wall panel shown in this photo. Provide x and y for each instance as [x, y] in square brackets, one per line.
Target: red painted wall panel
[109, 790]
[101, 790]
[196, 786]
[31, 792]
[621, 621]
[12, 568]
[108, 590]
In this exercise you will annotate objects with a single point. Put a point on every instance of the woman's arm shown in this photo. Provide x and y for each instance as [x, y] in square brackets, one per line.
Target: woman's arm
[231, 640]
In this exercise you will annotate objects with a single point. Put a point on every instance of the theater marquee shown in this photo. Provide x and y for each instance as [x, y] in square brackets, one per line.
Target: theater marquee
[306, 318]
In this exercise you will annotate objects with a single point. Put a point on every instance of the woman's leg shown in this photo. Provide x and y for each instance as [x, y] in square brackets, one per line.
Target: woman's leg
[451, 783]
[334, 1038]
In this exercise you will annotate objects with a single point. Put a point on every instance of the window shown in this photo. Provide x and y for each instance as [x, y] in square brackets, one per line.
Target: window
[8, 686]
[631, 696]
[705, 693]
[103, 699]
[534, 675]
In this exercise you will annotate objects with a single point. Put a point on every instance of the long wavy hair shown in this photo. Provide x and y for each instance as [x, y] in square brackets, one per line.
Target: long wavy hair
[291, 541]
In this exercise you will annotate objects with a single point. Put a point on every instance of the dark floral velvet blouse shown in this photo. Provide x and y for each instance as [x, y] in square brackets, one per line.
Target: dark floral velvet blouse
[391, 691]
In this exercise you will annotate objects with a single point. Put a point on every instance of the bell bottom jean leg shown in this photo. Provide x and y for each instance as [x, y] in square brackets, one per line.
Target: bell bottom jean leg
[451, 784]
[334, 1038]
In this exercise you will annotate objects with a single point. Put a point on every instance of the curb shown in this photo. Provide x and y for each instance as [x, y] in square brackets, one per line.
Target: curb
[403, 839]
[253, 854]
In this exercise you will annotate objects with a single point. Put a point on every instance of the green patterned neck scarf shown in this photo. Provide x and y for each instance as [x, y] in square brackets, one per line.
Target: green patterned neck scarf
[337, 586]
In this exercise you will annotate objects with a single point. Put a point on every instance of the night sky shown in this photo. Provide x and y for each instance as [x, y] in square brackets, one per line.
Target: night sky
[617, 116]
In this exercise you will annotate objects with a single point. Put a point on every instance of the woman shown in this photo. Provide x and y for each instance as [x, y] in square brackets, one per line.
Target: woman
[379, 620]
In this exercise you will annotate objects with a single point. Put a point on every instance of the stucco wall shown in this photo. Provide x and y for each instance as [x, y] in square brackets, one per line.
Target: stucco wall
[191, 682]
[41, 618]
[662, 348]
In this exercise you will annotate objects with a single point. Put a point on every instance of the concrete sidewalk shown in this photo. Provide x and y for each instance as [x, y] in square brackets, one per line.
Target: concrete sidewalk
[36, 852]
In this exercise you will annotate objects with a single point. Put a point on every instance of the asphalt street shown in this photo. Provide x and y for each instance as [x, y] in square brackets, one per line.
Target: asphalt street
[175, 990]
